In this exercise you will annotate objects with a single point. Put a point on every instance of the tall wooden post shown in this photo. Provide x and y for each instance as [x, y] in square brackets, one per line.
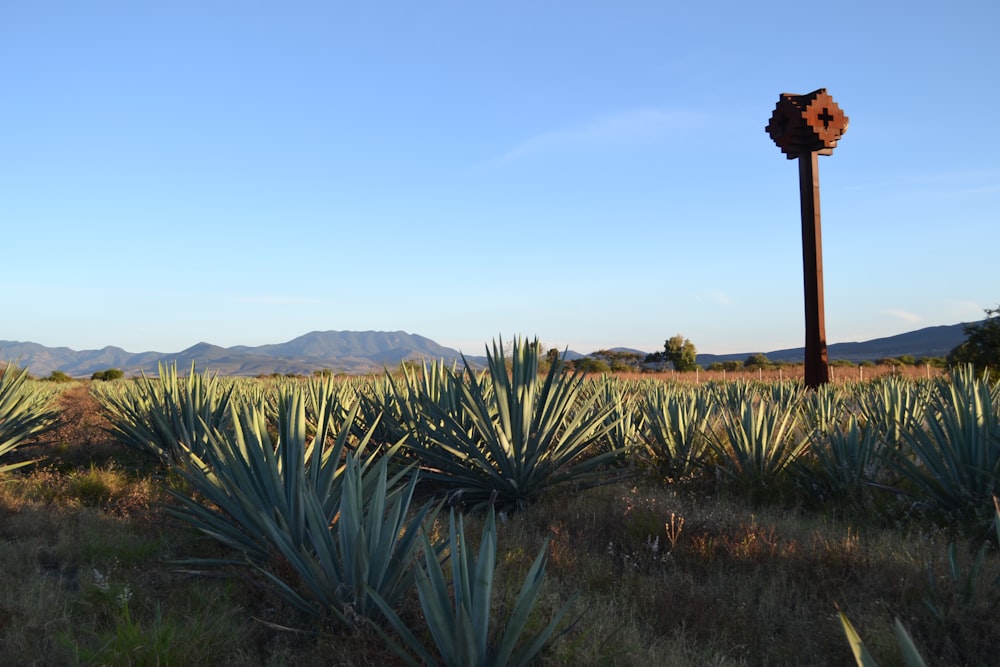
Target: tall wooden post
[805, 127]
[817, 364]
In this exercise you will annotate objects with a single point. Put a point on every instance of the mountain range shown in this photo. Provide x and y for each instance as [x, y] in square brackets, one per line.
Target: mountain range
[352, 352]
[356, 352]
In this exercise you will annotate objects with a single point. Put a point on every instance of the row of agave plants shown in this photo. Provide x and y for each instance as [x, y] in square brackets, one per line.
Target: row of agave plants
[341, 480]
[505, 435]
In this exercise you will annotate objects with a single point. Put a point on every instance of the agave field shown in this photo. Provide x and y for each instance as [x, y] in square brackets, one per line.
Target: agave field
[500, 516]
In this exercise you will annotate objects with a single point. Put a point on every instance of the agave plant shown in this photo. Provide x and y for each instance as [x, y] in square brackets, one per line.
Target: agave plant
[620, 404]
[397, 402]
[166, 416]
[824, 408]
[757, 441]
[894, 406]
[785, 391]
[517, 435]
[843, 462]
[459, 617]
[676, 421]
[736, 392]
[242, 472]
[955, 459]
[370, 547]
[330, 511]
[24, 412]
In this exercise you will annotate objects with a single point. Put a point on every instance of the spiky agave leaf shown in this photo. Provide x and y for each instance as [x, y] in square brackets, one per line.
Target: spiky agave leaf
[911, 656]
[861, 654]
[25, 411]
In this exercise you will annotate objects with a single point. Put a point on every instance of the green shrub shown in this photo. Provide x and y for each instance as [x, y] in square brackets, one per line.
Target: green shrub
[982, 343]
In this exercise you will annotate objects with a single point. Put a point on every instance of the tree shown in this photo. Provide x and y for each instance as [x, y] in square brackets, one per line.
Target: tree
[546, 360]
[591, 365]
[982, 343]
[620, 361]
[108, 374]
[757, 360]
[680, 352]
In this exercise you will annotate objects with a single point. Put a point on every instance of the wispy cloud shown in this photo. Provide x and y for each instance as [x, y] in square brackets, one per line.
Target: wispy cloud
[934, 186]
[279, 300]
[957, 193]
[715, 296]
[907, 317]
[960, 176]
[613, 131]
[957, 184]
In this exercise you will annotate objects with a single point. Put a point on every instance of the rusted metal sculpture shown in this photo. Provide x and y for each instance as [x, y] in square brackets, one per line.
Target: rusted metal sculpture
[804, 127]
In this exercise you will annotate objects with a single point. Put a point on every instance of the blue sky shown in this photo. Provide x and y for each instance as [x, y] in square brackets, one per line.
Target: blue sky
[595, 174]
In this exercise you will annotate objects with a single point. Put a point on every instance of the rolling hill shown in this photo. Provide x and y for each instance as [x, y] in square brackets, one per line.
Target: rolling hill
[927, 342]
[358, 352]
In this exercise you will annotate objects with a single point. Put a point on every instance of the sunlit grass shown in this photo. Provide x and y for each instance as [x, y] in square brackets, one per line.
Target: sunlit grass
[663, 578]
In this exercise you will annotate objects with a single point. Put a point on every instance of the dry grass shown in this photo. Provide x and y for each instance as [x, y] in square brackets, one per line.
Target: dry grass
[838, 374]
[666, 576]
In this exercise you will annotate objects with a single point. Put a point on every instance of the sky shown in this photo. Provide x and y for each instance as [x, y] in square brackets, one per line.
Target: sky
[593, 174]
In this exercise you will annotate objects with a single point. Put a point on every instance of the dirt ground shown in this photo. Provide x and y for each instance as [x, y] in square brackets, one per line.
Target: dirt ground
[79, 435]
